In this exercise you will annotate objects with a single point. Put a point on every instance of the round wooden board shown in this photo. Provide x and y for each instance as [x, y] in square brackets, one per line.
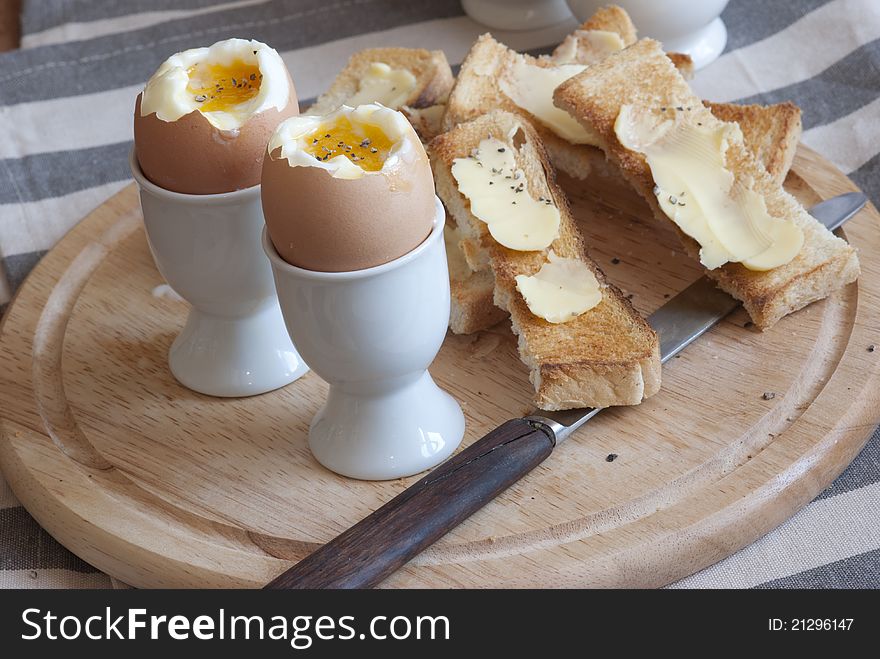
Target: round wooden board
[159, 486]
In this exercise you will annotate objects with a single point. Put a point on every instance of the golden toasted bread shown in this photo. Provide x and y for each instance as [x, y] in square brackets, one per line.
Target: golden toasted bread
[771, 132]
[472, 291]
[612, 19]
[433, 77]
[643, 77]
[427, 122]
[683, 63]
[578, 48]
[606, 356]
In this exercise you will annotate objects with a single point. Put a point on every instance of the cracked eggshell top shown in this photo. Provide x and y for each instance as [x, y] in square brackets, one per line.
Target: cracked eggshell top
[330, 214]
[214, 145]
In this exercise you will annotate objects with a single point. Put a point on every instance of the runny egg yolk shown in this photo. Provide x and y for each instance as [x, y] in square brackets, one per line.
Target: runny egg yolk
[220, 87]
[365, 145]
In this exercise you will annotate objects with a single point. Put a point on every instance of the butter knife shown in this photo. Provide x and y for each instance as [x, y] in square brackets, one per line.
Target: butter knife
[375, 547]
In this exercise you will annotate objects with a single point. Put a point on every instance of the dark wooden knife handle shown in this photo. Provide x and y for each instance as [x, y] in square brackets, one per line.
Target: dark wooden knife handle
[379, 544]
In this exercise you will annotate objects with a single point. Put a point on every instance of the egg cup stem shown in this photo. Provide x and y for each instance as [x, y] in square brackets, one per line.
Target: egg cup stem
[232, 357]
[386, 431]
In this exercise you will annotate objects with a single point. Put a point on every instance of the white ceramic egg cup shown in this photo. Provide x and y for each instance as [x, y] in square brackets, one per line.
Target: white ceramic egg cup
[517, 14]
[371, 334]
[207, 247]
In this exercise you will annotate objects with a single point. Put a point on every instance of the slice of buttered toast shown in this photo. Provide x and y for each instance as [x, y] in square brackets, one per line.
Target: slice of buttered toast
[608, 355]
[643, 78]
[771, 133]
[430, 69]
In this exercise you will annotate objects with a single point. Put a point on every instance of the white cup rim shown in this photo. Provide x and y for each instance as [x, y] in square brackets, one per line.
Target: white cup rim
[183, 197]
[283, 266]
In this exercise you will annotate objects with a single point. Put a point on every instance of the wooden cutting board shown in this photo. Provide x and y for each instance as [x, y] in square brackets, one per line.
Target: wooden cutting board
[160, 486]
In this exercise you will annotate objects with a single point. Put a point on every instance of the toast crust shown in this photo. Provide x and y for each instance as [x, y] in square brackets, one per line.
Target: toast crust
[612, 19]
[473, 309]
[426, 121]
[641, 75]
[608, 355]
[771, 132]
[434, 77]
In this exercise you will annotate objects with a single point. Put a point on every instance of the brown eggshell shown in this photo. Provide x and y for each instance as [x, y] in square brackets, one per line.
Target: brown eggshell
[191, 156]
[328, 224]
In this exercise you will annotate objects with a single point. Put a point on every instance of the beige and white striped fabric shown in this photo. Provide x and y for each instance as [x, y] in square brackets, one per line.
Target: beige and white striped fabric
[66, 100]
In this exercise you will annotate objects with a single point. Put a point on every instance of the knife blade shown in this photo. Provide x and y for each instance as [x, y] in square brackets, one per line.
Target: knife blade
[378, 545]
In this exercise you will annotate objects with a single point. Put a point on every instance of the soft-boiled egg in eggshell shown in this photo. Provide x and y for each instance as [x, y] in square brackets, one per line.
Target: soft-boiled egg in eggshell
[203, 120]
[347, 191]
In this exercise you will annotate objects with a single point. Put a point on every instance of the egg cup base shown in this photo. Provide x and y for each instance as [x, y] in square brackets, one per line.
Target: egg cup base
[500, 15]
[381, 435]
[703, 45]
[235, 357]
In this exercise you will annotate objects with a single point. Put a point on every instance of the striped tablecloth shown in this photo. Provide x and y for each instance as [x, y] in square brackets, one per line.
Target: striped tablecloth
[66, 102]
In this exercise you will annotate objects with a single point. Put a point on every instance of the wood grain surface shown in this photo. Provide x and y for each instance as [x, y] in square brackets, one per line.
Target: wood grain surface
[160, 486]
[374, 548]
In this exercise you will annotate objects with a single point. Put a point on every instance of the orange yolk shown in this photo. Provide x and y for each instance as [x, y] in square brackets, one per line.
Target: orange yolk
[364, 144]
[219, 87]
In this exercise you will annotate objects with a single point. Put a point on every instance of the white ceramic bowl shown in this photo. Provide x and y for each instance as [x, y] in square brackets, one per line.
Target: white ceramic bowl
[371, 334]
[207, 247]
[684, 26]
[517, 14]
